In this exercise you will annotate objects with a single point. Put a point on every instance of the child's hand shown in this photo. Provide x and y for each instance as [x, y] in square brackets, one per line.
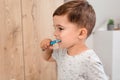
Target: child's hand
[45, 45]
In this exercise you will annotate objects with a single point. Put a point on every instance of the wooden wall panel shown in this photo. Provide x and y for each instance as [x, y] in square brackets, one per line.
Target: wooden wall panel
[37, 24]
[11, 51]
[20, 35]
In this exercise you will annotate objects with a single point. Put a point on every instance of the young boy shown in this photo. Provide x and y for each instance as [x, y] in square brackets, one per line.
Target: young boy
[74, 22]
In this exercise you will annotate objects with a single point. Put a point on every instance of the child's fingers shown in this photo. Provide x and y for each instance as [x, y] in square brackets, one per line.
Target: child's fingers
[47, 47]
[45, 44]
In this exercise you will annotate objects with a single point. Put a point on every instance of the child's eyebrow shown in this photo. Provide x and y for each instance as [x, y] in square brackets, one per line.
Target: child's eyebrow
[58, 25]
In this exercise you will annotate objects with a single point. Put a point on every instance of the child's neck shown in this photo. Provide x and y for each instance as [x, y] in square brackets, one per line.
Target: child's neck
[75, 50]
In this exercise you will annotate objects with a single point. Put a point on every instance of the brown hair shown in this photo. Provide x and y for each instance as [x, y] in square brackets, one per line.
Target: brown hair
[79, 12]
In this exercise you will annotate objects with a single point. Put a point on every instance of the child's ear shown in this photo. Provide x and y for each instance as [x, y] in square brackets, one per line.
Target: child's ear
[82, 33]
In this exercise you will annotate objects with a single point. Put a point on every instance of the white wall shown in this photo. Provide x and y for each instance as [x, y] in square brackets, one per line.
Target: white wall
[104, 9]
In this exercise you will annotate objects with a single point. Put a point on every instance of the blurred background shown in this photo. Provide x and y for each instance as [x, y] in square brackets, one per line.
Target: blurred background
[24, 23]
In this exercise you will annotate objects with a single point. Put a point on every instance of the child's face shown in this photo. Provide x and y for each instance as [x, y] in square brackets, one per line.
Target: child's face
[66, 31]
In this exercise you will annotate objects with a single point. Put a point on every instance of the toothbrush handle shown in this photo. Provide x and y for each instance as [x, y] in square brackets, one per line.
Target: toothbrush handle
[54, 41]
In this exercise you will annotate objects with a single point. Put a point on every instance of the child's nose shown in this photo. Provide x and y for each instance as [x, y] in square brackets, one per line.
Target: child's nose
[56, 33]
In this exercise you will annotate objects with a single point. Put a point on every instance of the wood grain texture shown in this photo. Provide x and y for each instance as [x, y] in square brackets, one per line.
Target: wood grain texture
[11, 51]
[24, 23]
[37, 24]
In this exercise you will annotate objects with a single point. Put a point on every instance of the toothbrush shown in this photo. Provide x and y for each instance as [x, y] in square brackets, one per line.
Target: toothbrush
[54, 42]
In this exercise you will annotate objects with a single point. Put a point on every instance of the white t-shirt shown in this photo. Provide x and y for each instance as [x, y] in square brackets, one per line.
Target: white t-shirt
[84, 66]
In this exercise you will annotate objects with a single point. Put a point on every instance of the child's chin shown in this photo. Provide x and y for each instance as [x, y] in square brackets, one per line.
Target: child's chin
[60, 46]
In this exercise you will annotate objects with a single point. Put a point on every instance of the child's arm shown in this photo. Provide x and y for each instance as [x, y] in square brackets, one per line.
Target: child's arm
[47, 49]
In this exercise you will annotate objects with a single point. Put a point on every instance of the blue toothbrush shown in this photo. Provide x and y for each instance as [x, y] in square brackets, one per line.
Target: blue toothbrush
[54, 42]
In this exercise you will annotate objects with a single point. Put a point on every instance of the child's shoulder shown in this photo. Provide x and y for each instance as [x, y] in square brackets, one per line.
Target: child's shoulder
[90, 56]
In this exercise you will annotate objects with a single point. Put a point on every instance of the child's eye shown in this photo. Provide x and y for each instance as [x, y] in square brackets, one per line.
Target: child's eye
[60, 28]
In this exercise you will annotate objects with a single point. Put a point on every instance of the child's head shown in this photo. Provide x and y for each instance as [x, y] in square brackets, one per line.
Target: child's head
[78, 12]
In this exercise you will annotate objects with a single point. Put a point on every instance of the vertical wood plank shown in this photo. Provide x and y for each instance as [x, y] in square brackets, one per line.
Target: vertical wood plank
[37, 24]
[11, 51]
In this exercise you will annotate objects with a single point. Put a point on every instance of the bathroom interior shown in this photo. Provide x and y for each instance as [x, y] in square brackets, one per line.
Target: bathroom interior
[24, 23]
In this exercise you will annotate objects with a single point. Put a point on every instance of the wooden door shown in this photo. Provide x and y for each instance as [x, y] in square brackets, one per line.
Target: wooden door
[11, 44]
[37, 24]
[23, 24]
